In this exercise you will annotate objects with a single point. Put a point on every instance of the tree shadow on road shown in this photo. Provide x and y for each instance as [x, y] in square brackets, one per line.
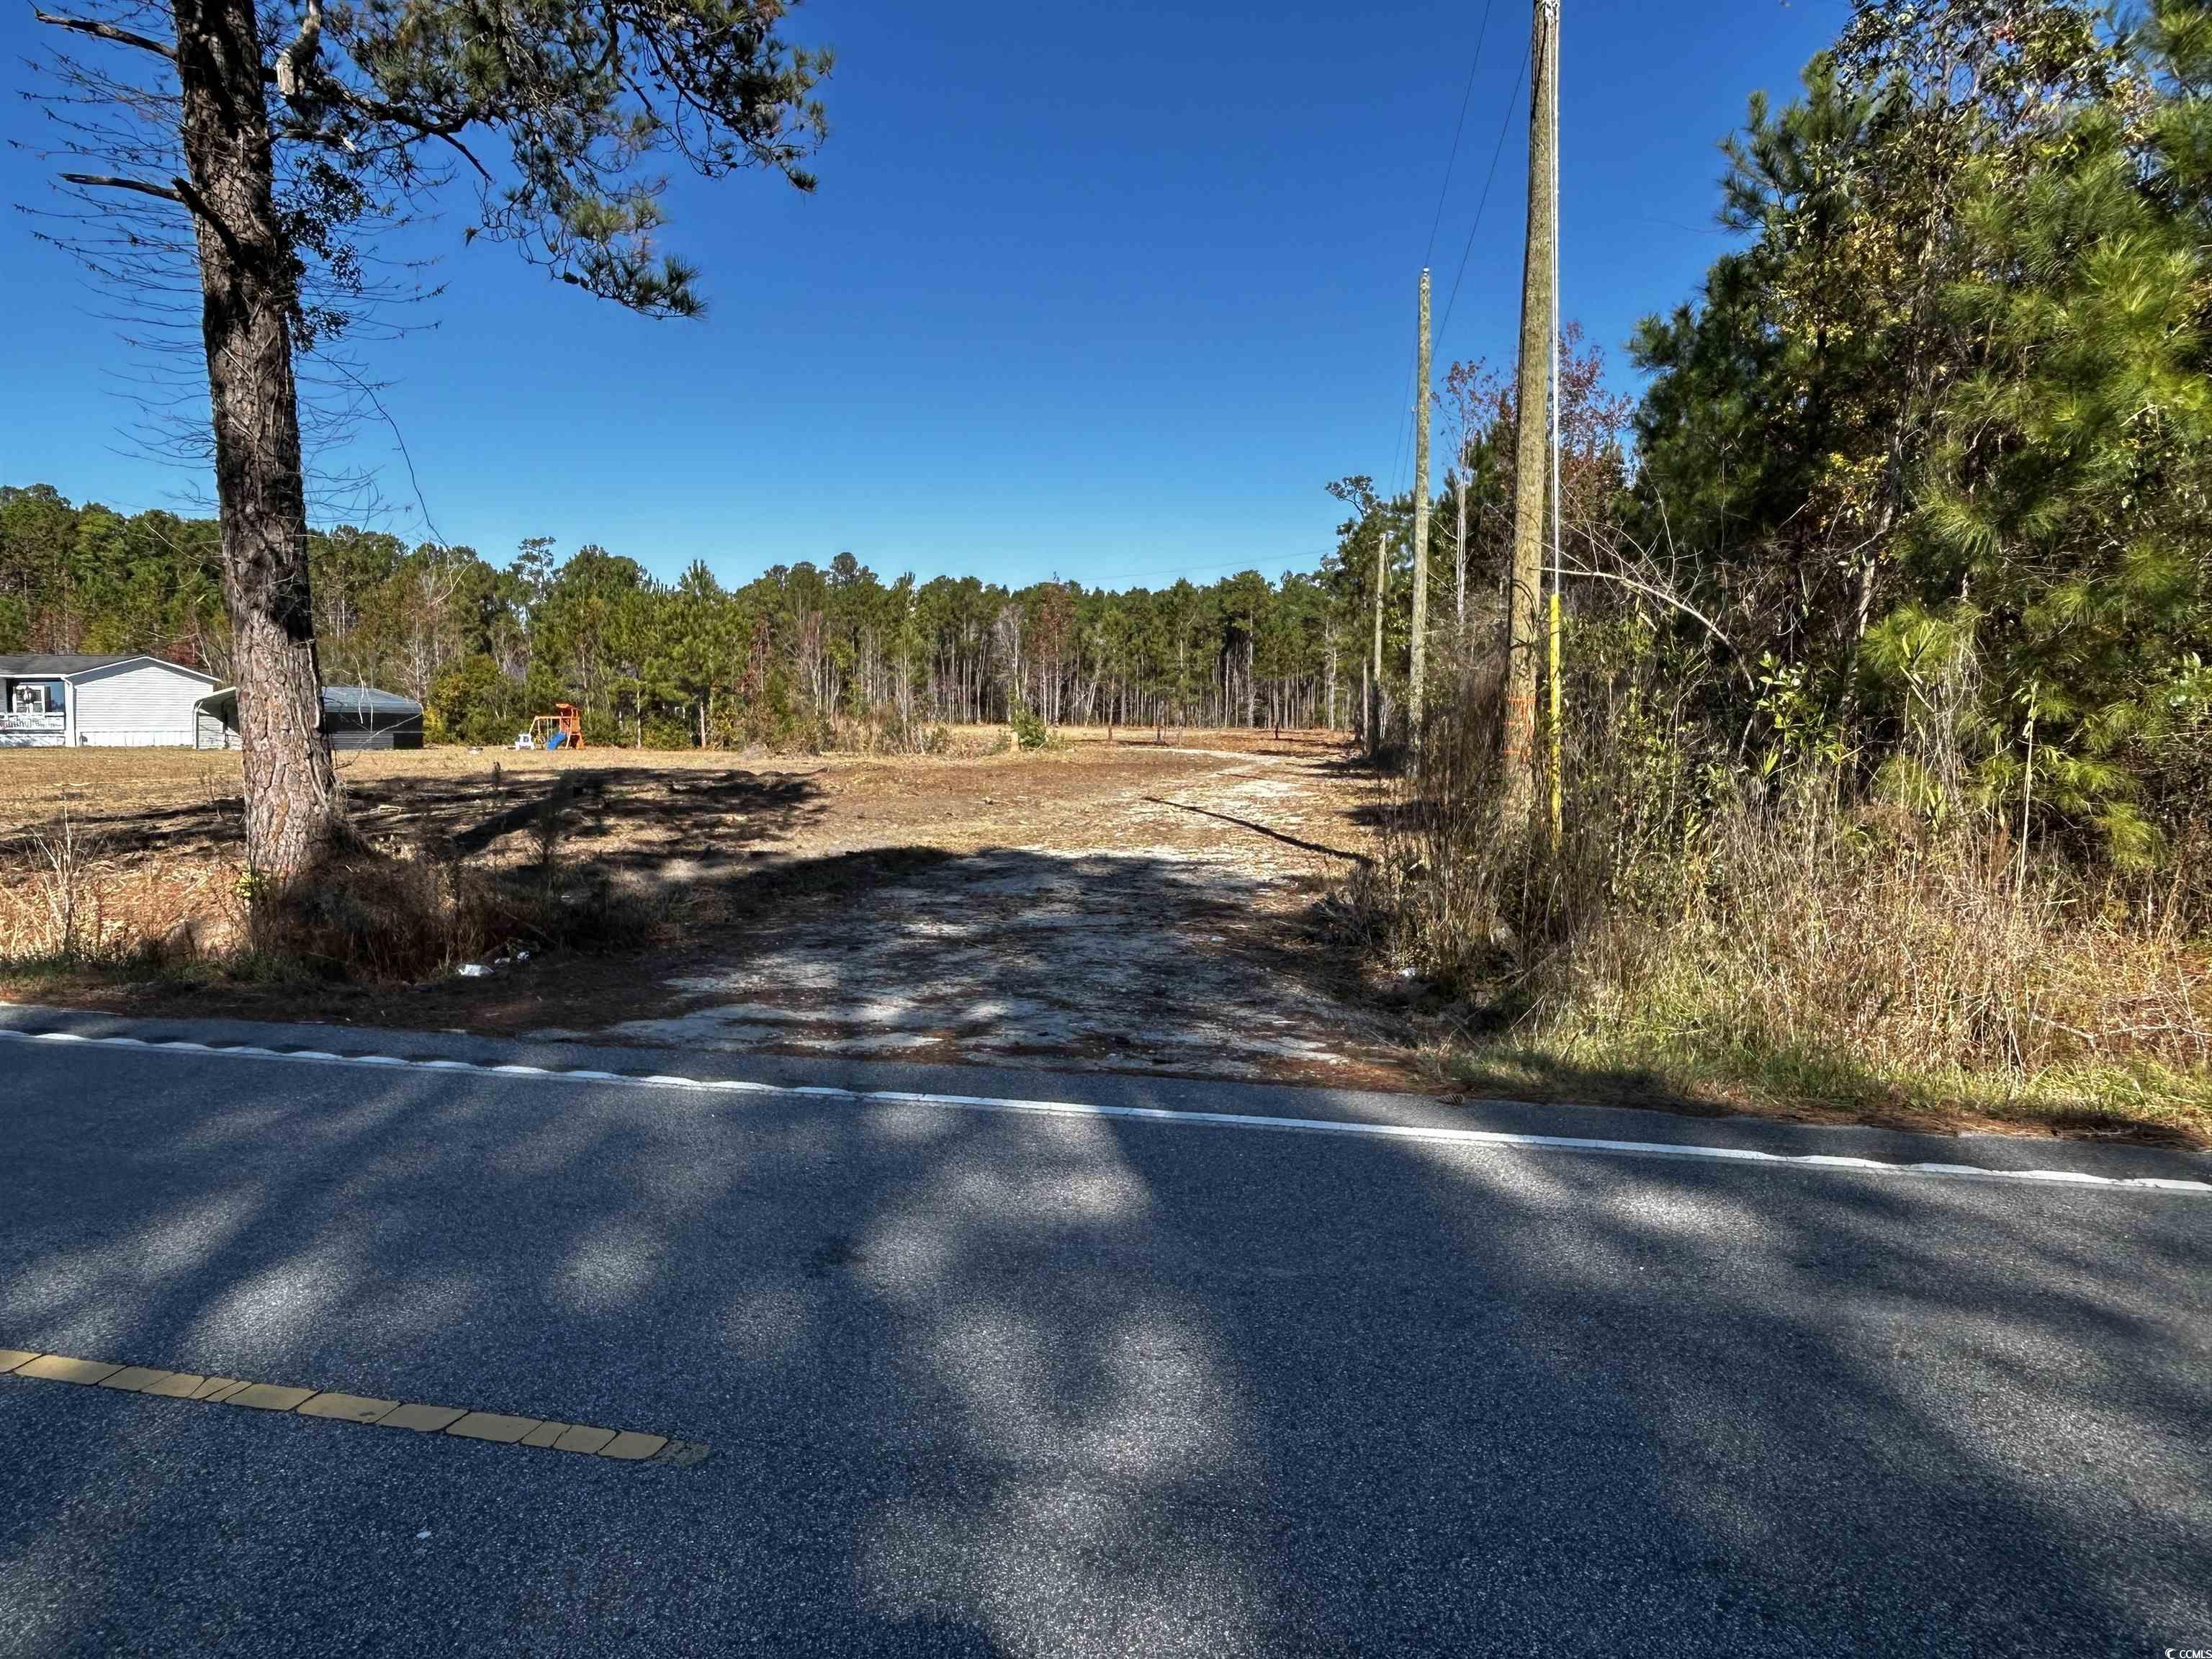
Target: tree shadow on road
[978, 1384]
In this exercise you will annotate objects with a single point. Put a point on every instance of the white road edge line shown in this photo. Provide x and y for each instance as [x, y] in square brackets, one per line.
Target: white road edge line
[1492, 1138]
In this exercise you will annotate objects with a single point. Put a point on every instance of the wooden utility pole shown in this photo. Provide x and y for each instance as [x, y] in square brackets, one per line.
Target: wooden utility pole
[1420, 647]
[1539, 328]
[1382, 571]
[1555, 724]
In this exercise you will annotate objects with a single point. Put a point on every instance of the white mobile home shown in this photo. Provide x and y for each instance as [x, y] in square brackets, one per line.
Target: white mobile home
[70, 701]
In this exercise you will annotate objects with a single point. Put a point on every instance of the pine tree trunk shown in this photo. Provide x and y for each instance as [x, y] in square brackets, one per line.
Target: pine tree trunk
[247, 297]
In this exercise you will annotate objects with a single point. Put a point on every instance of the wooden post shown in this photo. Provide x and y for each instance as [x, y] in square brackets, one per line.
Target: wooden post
[1539, 327]
[1556, 724]
[1418, 671]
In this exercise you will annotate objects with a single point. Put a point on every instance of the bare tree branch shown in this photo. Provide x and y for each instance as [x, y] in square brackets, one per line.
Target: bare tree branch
[467, 155]
[102, 181]
[109, 32]
[198, 203]
[303, 81]
[1652, 591]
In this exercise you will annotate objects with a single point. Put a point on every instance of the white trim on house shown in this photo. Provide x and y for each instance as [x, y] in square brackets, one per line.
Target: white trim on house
[122, 663]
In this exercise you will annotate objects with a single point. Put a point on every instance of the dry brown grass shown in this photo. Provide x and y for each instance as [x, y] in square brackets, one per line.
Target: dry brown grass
[128, 786]
[39, 786]
[1818, 948]
[158, 835]
[91, 904]
[1814, 948]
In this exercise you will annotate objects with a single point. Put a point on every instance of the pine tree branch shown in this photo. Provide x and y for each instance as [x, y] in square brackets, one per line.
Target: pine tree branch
[467, 155]
[102, 181]
[177, 191]
[303, 81]
[108, 32]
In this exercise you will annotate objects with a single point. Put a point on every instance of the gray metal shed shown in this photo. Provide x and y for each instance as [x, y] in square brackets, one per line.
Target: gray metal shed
[353, 716]
[362, 717]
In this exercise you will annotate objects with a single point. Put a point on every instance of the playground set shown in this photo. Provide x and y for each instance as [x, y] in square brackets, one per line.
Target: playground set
[561, 729]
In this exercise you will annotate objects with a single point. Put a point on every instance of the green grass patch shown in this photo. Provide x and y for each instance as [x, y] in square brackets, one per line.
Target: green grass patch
[2128, 1099]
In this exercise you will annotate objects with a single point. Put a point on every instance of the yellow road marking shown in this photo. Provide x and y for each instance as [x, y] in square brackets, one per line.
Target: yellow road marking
[628, 1446]
[348, 1408]
[59, 1368]
[133, 1379]
[423, 1419]
[268, 1397]
[493, 1425]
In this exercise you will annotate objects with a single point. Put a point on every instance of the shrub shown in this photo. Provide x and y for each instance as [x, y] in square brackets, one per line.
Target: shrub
[1029, 727]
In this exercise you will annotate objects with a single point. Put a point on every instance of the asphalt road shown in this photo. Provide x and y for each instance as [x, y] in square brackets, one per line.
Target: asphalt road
[989, 1383]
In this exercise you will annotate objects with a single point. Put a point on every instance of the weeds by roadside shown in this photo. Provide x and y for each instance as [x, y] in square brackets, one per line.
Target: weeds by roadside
[70, 901]
[1819, 940]
[396, 913]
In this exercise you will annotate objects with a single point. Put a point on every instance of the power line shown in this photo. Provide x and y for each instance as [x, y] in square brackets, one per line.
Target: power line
[1458, 127]
[1398, 478]
[1399, 457]
[1495, 155]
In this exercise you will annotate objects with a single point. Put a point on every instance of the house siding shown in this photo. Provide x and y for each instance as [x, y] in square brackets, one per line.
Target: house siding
[137, 705]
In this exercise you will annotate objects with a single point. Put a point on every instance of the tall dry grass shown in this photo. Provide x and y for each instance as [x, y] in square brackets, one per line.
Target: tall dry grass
[1811, 934]
[1851, 935]
[405, 911]
[67, 897]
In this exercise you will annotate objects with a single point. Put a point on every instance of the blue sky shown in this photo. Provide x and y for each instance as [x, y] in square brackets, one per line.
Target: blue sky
[1102, 293]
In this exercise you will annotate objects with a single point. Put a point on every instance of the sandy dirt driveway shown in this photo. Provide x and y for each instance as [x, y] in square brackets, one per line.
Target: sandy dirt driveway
[1132, 906]
[1145, 917]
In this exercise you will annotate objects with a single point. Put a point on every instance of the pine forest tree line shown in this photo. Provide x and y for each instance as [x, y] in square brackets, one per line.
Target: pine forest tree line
[692, 662]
